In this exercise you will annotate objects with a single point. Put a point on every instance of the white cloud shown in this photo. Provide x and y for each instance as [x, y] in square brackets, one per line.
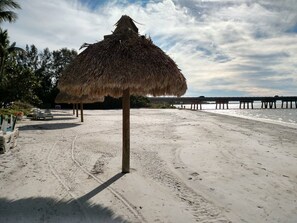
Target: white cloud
[222, 46]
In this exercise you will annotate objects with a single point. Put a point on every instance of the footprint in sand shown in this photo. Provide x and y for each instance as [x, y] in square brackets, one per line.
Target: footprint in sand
[194, 174]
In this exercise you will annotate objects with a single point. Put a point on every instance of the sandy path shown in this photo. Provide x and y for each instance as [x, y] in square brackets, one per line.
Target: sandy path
[186, 167]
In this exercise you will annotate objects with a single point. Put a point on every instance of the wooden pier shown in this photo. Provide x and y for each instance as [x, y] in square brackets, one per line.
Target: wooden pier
[221, 104]
[288, 102]
[195, 105]
[268, 103]
[245, 103]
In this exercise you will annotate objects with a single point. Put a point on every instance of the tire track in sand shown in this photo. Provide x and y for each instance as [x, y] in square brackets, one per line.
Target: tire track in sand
[76, 198]
[67, 188]
[120, 197]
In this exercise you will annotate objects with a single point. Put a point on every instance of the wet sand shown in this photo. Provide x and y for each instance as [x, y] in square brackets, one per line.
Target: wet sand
[186, 166]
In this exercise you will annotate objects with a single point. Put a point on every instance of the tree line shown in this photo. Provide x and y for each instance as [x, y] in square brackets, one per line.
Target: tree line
[30, 75]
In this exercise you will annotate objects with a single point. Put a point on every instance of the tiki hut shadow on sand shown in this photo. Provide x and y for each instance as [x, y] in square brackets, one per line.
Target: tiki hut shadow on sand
[63, 97]
[123, 63]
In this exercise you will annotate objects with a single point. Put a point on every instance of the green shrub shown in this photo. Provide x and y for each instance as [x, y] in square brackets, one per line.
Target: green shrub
[16, 108]
[21, 105]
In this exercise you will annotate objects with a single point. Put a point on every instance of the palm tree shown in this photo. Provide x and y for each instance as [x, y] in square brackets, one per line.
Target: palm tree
[5, 10]
[6, 49]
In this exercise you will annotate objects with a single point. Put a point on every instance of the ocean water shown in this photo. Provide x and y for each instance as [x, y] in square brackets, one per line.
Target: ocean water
[287, 117]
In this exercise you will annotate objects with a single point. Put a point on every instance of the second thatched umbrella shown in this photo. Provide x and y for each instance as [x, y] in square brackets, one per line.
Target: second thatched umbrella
[123, 63]
[63, 97]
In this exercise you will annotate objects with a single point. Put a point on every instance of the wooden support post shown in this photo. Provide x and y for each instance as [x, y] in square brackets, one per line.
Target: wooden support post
[81, 112]
[76, 106]
[291, 104]
[126, 131]
[252, 104]
[191, 106]
[282, 104]
[216, 105]
[73, 109]
[275, 104]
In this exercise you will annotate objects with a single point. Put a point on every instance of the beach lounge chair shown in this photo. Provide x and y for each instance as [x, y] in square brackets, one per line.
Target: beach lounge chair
[35, 113]
[48, 114]
[38, 114]
[8, 125]
[4, 125]
[8, 133]
[11, 125]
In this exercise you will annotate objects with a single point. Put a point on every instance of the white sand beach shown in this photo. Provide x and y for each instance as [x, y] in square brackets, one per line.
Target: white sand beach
[187, 166]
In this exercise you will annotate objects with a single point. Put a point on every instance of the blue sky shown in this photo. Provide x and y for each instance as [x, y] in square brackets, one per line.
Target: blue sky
[223, 47]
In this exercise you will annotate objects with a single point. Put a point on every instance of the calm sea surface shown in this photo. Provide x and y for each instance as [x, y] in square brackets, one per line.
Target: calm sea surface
[286, 117]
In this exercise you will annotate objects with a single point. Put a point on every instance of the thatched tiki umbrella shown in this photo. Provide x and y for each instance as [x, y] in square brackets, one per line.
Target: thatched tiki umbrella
[63, 97]
[123, 63]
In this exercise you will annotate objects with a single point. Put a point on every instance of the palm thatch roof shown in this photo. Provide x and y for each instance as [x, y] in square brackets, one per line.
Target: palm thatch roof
[123, 60]
[63, 97]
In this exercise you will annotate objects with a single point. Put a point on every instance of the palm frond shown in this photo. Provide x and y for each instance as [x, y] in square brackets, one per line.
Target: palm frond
[8, 16]
[9, 4]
